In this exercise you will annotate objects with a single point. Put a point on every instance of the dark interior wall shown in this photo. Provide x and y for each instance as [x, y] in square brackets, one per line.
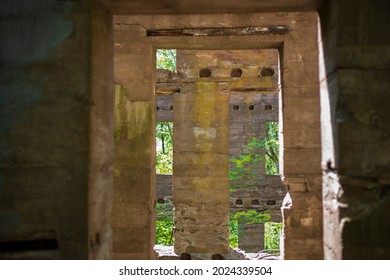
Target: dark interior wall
[45, 107]
[357, 58]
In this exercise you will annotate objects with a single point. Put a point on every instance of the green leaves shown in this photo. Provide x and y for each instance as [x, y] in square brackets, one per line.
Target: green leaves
[164, 149]
[166, 59]
[164, 224]
[272, 232]
[251, 217]
[248, 165]
[271, 145]
[233, 233]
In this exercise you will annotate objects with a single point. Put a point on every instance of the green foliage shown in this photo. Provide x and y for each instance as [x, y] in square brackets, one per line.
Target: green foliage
[164, 224]
[271, 145]
[251, 217]
[246, 165]
[272, 232]
[164, 142]
[233, 233]
[166, 59]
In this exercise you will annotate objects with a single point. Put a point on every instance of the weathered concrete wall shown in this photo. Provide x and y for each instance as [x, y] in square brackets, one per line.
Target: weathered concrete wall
[248, 114]
[164, 187]
[267, 196]
[53, 95]
[134, 176]
[356, 155]
[164, 108]
[251, 239]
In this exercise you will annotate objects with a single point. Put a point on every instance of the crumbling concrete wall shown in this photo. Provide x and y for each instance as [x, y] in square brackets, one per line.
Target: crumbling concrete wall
[356, 127]
[56, 130]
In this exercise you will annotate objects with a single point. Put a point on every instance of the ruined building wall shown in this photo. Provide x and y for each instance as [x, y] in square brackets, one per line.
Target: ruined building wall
[356, 127]
[56, 140]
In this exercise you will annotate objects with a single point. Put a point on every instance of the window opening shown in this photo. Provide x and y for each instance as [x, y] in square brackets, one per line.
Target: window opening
[164, 160]
[166, 59]
[272, 234]
[164, 148]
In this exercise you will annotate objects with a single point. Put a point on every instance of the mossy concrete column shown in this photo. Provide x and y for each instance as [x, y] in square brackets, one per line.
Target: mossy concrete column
[133, 219]
[201, 170]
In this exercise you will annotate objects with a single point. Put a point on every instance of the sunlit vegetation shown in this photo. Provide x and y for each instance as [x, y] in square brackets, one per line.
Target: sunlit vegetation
[164, 147]
[166, 59]
[164, 224]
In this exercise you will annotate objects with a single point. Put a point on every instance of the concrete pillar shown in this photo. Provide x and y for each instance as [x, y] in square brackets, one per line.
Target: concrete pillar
[133, 218]
[300, 161]
[201, 170]
[251, 237]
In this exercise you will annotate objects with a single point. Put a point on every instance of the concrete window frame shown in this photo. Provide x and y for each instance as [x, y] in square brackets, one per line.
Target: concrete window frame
[300, 137]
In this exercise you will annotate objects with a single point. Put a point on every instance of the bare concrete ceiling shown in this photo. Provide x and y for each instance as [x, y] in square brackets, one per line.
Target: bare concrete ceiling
[133, 7]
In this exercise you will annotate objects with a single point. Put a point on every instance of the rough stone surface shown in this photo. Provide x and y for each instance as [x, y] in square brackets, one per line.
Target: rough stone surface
[269, 196]
[252, 238]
